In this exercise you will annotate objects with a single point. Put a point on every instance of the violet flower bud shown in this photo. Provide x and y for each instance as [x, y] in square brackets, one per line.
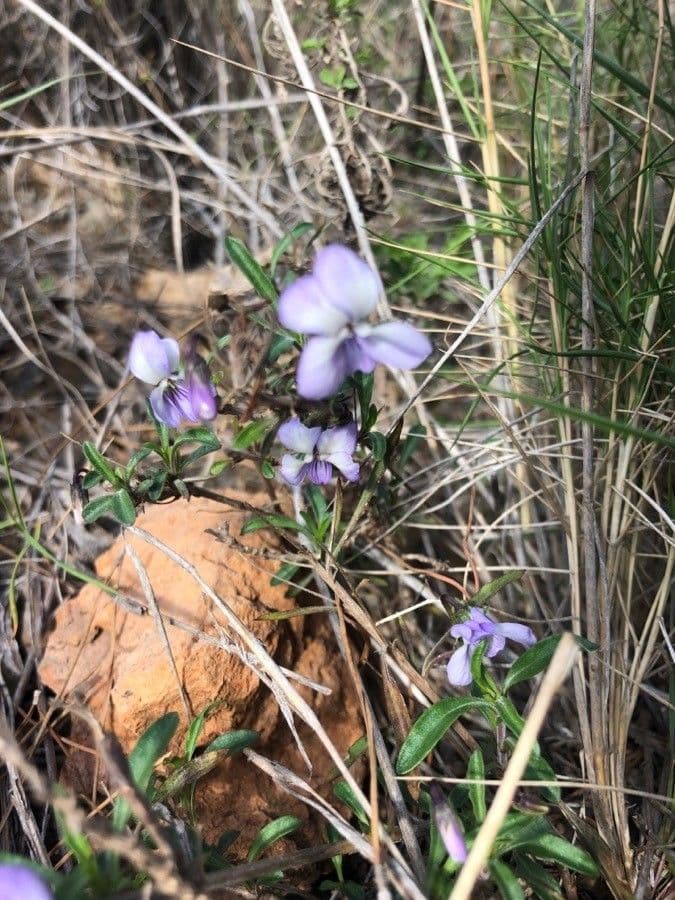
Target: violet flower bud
[449, 826]
[332, 305]
[316, 452]
[19, 882]
[476, 628]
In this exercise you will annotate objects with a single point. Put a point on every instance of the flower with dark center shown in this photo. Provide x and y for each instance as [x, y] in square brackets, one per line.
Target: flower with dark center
[476, 628]
[314, 452]
[332, 305]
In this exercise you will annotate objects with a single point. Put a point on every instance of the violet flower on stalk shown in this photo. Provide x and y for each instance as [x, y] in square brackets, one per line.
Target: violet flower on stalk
[314, 452]
[449, 826]
[476, 628]
[332, 305]
[180, 392]
[19, 882]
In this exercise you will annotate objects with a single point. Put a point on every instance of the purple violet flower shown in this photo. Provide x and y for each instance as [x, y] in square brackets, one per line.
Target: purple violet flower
[332, 305]
[176, 396]
[476, 628]
[449, 826]
[19, 882]
[314, 452]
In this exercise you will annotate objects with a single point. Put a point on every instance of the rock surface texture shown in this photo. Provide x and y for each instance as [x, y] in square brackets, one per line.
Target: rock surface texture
[118, 665]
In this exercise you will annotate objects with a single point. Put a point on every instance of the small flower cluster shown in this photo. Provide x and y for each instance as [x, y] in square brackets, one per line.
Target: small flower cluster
[182, 391]
[331, 305]
[476, 628]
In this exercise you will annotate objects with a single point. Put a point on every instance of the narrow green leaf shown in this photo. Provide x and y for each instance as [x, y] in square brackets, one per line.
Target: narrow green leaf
[377, 443]
[241, 257]
[91, 480]
[252, 433]
[431, 726]
[234, 741]
[151, 745]
[137, 458]
[99, 462]
[272, 521]
[517, 829]
[122, 507]
[476, 772]
[287, 240]
[557, 849]
[506, 881]
[542, 882]
[494, 587]
[533, 661]
[99, 506]
[510, 715]
[271, 833]
[193, 733]
[538, 769]
[344, 793]
[284, 574]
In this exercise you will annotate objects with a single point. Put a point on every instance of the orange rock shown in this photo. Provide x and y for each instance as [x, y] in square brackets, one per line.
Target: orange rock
[117, 663]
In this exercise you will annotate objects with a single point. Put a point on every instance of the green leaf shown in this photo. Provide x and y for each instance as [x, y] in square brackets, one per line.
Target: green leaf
[284, 574]
[138, 457]
[194, 731]
[476, 771]
[533, 661]
[100, 506]
[539, 769]
[91, 480]
[333, 77]
[271, 833]
[218, 466]
[241, 257]
[506, 881]
[517, 829]
[288, 239]
[510, 715]
[252, 433]
[273, 521]
[431, 726]
[377, 443]
[267, 469]
[151, 745]
[557, 849]
[344, 792]
[542, 882]
[234, 741]
[494, 587]
[281, 343]
[99, 463]
[122, 507]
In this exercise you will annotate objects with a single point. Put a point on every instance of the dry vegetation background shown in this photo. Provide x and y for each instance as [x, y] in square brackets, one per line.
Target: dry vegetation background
[115, 200]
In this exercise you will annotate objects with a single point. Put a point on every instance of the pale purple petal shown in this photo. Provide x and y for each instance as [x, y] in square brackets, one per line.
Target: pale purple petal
[197, 400]
[319, 471]
[496, 644]
[521, 634]
[322, 368]
[341, 439]
[345, 463]
[357, 358]
[459, 667]
[293, 469]
[347, 282]
[18, 882]
[463, 630]
[152, 358]
[305, 308]
[166, 405]
[298, 437]
[396, 344]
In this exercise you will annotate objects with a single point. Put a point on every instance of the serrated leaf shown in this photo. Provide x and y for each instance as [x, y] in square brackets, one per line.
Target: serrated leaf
[557, 849]
[475, 771]
[234, 741]
[252, 433]
[431, 726]
[272, 520]
[506, 881]
[99, 506]
[122, 507]
[494, 587]
[241, 257]
[271, 833]
[99, 463]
